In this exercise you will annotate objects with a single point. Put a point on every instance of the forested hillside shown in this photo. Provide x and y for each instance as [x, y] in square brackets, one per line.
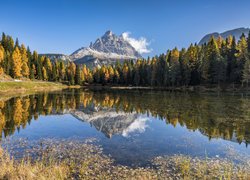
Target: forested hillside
[220, 61]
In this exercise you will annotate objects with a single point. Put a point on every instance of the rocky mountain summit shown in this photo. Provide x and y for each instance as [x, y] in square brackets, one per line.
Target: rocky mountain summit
[107, 49]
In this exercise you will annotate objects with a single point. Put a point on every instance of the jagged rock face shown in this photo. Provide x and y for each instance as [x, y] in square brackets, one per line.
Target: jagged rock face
[110, 43]
[235, 32]
[106, 50]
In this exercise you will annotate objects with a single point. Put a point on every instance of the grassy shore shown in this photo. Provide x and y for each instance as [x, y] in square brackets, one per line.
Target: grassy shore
[8, 88]
[78, 160]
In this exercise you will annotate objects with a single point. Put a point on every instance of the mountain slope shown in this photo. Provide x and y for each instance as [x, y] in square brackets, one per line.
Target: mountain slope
[60, 57]
[106, 50]
[234, 32]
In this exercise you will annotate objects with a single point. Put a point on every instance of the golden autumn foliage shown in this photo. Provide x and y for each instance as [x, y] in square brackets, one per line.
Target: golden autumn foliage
[17, 63]
[1, 59]
[25, 68]
[45, 75]
[18, 112]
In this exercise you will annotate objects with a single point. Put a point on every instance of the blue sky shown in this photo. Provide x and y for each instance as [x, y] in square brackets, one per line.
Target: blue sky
[62, 26]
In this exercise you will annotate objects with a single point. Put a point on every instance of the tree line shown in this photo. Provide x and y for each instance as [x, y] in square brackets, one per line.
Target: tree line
[220, 61]
[19, 62]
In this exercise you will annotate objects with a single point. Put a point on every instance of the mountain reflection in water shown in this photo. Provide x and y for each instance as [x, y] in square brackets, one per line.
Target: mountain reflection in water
[119, 112]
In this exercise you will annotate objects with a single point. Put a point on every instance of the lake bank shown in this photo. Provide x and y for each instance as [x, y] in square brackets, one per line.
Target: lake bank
[84, 160]
[204, 88]
[14, 88]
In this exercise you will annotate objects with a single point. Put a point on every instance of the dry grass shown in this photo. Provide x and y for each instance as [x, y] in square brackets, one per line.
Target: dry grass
[77, 160]
[11, 169]
[183, 167]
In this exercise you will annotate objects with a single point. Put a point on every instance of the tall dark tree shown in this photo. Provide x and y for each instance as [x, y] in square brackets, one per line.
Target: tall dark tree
[78, 75]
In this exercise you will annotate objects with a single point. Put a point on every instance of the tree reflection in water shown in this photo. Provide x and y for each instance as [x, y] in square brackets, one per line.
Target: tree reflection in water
[223, 116]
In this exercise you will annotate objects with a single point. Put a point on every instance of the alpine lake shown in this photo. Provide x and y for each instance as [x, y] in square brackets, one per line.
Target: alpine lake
[131, 126]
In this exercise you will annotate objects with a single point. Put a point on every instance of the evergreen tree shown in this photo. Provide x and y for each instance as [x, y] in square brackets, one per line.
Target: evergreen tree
[175, 74]
[48, 66]
[45, 75]
[33, 72]
[78, 75]
[54, 73]
[242, 56]
[62, 71]
[246, 72]
[248, 44]
[25, 67]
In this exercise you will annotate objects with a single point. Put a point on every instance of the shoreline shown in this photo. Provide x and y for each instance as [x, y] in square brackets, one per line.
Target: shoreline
[17, 88]
[201, 88]
[82, 159]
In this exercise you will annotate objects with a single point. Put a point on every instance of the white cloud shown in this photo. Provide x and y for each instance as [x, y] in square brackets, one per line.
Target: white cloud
[140, 45]
[139, 125]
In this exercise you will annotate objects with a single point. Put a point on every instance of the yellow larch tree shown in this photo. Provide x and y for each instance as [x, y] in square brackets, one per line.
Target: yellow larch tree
[45, 75]
[16, 63]
[25, 67]
[1, 59]
[18, 112]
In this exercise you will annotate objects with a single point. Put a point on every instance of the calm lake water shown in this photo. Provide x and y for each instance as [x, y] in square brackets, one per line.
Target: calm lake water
[134, 126]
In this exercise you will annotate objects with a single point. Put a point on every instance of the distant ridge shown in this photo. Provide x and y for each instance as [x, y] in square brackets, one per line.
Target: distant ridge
[234, 32]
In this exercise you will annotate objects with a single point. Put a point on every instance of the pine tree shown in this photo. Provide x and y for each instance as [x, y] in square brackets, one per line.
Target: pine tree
[39, 69]
[78, 75]
[45, 75]
[116, 77]
[248, 42]
[246, 72]
[242, 56]
[211, 59]
[2, 53]
[33, 72]
[48, 66]
[111, 74]
[62, 71]
[16, 63]
[25, 67]
[71, 73]
[175, 74]
[96, 75]
[17, 43]
[125, 71]
[54, 73]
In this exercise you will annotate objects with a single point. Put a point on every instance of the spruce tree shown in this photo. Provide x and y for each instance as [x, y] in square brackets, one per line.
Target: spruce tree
[246, 72]
[78, 75]
[242, 56]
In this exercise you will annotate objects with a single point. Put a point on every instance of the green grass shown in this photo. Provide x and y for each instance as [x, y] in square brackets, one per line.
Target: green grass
[12, 87]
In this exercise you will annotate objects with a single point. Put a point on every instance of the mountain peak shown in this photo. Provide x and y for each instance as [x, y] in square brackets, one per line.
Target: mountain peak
[106, 50]
[108, 33]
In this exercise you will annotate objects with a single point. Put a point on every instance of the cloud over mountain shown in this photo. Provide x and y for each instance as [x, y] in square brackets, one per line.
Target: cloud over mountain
[141, 45]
